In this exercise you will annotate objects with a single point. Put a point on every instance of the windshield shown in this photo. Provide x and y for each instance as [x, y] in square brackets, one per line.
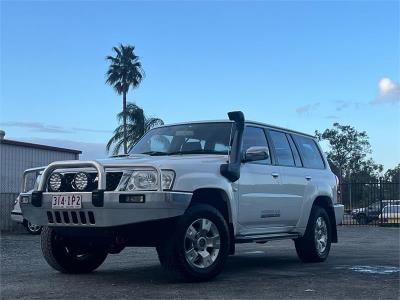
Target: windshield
[196, 138]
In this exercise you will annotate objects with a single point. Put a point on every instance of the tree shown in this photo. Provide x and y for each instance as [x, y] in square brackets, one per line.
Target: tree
[137, 124]
[125, 71]
[348, 152]
[393, 175]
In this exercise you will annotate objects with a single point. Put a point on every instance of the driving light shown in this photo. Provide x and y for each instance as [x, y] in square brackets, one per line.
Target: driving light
[143, 180]
[167, 179]
[81, 181]
[55, 182]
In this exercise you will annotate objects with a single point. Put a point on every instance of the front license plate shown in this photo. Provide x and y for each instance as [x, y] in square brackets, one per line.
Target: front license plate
[73, 201]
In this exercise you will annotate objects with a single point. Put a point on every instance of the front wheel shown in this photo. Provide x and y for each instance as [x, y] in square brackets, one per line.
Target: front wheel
[32, 228]
[315, 245]
[198, 247]
[67, 256]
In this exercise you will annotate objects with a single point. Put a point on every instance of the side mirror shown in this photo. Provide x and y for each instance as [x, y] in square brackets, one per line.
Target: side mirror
[256, 153]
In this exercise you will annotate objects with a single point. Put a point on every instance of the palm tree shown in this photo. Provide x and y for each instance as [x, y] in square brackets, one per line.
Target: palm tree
[125, 71]
[137, 125]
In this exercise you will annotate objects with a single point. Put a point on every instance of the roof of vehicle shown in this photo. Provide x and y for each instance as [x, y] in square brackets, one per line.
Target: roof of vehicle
[247, 122]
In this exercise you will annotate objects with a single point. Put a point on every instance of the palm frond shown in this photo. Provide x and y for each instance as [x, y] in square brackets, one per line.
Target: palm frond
[137, 125]
[153, 122]
[125, 69]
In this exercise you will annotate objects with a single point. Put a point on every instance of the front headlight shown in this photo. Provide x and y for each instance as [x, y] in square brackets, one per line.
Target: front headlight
[143, 181]
[146, 180]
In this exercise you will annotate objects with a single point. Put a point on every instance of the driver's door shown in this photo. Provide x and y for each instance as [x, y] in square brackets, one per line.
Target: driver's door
[259, 187]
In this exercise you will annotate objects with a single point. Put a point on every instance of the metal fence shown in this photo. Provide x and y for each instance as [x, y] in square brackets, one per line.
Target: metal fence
[371, 203]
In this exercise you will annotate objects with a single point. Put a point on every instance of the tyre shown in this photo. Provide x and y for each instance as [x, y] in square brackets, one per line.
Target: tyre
[68, 257]
[362, 220]
[198, 246]
[32, 228]
[315, 245]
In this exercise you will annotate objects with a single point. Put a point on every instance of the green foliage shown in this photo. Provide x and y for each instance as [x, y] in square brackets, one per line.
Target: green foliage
[348, 153]
[125, 69]
[393, 175]
[137, 125]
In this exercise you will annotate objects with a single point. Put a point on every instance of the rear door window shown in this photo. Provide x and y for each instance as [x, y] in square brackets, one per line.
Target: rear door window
[309, 152]
[282, 149]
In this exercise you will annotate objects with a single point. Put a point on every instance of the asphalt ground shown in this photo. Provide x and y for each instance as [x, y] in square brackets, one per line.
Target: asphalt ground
[363, 265]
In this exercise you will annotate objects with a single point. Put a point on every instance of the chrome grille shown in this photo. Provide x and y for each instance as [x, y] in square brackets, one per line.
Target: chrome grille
[71, 217]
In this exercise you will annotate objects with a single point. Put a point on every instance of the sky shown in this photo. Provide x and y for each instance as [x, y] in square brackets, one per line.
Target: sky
[301, 65]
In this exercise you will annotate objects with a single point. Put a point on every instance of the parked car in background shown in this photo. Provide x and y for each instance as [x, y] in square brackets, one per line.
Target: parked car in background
[390, 215]
[365, 215]
[16, 216]
[192, 191]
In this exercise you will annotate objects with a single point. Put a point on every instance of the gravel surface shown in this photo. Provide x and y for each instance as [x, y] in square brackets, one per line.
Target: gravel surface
[363, 265]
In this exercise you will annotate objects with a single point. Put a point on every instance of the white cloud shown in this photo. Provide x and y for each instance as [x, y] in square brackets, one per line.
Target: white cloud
[389, 92]
[89, 150]
[306, 109]
[49, 128]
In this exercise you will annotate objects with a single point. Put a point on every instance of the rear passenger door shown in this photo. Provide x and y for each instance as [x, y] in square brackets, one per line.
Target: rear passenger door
[314, 164]
[293, 179]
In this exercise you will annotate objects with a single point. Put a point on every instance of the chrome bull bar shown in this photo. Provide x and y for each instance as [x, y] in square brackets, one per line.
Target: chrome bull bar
[73, 164]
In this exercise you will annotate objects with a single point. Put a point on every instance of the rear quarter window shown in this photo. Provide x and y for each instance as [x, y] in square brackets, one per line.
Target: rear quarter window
[309, 152]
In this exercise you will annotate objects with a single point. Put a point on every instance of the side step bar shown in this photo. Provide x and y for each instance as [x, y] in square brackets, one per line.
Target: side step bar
[265, 237]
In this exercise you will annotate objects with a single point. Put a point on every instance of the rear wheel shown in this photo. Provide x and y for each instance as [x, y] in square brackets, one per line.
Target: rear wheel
[68, 257]
[198, 247]
[315, 245]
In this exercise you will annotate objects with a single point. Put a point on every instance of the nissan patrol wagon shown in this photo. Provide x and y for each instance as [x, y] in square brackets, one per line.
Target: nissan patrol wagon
[193, 191]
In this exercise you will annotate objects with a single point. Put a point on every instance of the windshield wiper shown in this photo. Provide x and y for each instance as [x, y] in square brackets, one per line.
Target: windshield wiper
[155, 153]
[197, 152]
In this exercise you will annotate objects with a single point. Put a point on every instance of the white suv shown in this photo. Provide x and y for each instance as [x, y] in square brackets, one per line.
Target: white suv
[192, 190]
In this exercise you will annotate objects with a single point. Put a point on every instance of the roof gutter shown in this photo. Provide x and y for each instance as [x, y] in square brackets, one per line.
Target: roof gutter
[231, 170]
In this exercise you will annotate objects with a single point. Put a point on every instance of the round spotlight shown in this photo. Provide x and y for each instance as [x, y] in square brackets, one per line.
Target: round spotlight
[55, 182]
[81, 181]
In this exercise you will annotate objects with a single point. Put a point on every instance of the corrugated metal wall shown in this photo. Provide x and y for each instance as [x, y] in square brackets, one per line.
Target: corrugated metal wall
[6, 206]
[14, 160]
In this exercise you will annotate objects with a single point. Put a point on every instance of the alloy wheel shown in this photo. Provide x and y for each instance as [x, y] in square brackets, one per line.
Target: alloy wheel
[321, 235]
[202, 243]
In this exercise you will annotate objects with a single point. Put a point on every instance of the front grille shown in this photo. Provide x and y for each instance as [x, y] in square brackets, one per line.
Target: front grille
[112, 181]
[71, 217]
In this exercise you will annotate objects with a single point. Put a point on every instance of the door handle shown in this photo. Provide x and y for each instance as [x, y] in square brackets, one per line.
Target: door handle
[275, 175]
[308, 178]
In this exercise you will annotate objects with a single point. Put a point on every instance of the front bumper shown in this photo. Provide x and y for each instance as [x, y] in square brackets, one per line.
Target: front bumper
[339, 213]
[16, 216]
[157, 205]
